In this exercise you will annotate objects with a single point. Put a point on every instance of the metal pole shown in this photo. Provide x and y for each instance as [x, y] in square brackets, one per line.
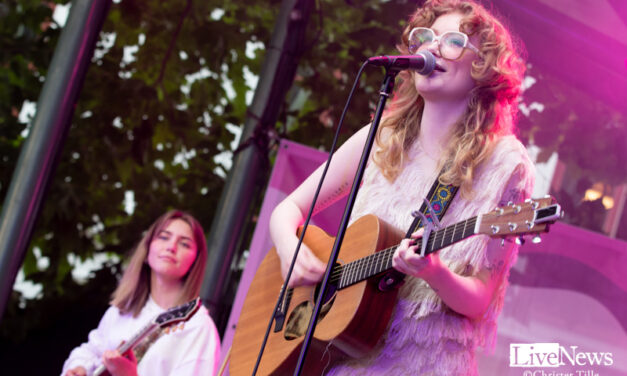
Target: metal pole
[41, 150]
[277, 75]
[386, 90]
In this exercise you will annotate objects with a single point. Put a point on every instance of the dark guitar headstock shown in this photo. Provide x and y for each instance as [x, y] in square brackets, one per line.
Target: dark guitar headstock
[178, 313]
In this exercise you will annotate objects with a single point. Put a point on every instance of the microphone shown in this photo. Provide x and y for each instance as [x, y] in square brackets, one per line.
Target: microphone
[423, 62]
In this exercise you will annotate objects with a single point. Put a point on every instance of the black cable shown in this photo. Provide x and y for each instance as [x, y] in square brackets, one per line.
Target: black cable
[385, 92]
[309, 215]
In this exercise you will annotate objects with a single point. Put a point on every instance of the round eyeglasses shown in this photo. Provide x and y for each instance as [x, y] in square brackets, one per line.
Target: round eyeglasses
[451, 44]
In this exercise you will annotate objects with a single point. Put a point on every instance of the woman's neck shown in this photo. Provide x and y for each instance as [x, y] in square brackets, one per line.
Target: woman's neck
[166, 293]
[437, 124]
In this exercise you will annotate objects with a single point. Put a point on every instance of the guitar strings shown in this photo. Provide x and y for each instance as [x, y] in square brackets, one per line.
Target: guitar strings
[365, 264]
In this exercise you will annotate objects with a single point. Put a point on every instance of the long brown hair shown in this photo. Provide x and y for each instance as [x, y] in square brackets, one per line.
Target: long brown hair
[134, 287]
[492, 105]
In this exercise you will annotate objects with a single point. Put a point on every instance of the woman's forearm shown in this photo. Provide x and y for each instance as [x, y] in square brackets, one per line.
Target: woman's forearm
[467, 295]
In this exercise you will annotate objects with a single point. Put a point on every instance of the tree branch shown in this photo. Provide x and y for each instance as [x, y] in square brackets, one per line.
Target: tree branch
[175, 36]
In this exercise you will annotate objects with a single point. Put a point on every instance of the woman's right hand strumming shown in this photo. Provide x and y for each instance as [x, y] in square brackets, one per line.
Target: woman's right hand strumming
[308, 269]
[290, 213]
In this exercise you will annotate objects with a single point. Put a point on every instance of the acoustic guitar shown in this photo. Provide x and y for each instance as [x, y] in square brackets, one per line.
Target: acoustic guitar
[356, 310]
[164, 320]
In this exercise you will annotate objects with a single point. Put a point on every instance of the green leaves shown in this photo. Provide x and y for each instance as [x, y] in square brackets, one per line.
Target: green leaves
[168, 78]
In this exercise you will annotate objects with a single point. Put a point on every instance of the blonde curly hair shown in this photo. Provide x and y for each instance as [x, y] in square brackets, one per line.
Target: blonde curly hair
[492, 105]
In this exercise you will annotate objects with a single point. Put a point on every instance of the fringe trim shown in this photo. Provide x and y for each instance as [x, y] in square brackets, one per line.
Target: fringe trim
[421, 323]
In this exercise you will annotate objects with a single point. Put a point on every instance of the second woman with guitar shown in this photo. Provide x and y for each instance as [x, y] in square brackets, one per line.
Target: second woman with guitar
[455, 125]
[165, 270]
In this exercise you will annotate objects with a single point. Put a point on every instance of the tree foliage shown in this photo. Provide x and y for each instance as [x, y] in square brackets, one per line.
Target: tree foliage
[134, 130]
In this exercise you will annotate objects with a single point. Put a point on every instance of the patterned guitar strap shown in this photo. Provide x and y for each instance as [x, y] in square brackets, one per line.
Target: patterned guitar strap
[439, 198]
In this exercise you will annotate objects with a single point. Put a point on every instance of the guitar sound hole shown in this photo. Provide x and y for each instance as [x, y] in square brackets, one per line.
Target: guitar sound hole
[298, 320]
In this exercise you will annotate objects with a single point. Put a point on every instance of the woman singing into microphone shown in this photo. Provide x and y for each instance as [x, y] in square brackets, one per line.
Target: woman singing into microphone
[455, 125]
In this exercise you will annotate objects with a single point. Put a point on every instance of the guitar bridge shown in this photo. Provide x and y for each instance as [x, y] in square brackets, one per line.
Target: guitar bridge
[279, 320]
[281, 311]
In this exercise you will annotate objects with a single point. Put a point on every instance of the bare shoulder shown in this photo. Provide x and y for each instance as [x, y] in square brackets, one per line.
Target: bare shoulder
[358, 139]
[362, 133]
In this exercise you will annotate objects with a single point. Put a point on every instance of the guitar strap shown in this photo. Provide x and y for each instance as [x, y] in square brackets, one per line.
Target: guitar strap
[440, 197]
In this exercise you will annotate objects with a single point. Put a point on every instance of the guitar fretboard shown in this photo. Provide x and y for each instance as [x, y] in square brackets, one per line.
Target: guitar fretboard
[353, 272]
[145, 331]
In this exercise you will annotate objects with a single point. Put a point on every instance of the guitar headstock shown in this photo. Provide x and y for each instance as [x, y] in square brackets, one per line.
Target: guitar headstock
[532, 216]
[178, 313]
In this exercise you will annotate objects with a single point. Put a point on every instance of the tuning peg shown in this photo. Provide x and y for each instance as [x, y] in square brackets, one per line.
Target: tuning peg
[502, 242]
[536, 239]
[520, 240]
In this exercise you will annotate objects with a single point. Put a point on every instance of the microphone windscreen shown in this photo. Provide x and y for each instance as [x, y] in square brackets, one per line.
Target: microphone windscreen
[429, 63]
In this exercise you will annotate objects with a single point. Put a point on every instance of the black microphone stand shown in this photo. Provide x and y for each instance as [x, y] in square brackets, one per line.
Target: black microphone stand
[386, 90]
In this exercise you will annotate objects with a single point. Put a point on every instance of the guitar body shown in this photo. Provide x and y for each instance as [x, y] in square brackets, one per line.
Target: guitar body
[353, 320]
[355, 312]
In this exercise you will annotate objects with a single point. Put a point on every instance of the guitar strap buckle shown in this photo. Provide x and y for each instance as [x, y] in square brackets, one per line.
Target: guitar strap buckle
[439, 195]
[429, 224]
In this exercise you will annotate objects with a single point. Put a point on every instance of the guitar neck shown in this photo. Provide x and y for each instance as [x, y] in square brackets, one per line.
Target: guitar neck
[173, 315]
[379, 262]
[138, 337]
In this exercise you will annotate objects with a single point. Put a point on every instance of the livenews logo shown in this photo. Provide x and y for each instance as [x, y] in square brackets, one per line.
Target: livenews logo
[554, 355]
